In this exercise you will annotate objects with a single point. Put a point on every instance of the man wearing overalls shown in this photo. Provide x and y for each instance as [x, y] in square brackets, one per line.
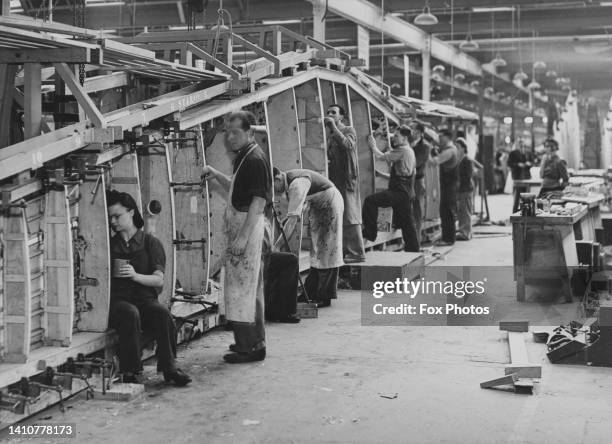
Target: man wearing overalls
[250, 190]
[399, 195]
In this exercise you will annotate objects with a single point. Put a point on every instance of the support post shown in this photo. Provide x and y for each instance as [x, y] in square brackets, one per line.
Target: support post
[363, 45]
[426, 79]
[6, 7]
[318, 23]
[32, 100]
[406, 75]
[7, 86]
[513, 125]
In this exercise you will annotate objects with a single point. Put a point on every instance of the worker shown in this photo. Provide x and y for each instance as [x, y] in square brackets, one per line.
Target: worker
[421, 148]
[400, 193]
[344, 174]
[520, 162]
[448, 159]
[553, 169]
[325, 210]
[135, 286]
[465, 192]
[249, 191]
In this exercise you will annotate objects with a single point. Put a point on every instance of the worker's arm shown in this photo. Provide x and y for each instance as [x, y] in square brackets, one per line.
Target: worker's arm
[157, 259]
[442, 157]
[544, 161]
[256, 208]
[297, 193]
[390, 156]
[563, 173]
[212, 173]
[348, 142]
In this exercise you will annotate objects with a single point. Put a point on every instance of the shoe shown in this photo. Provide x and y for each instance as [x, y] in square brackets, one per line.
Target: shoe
[323, 304]
[354, 259]
[462, 238]
[291, 319]
[443, 244]
[177, 376]
[242, 358]
[233, 348]
[133, 378]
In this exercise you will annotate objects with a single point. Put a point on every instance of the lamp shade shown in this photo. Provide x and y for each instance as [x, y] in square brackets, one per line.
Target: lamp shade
[469, 44]
[551, 73]
[534, 85]
[426, 18]
[520, 76]
[498, 61]
[539, 64]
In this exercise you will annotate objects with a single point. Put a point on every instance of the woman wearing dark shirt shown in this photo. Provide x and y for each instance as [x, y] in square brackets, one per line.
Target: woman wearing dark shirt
[134, 289]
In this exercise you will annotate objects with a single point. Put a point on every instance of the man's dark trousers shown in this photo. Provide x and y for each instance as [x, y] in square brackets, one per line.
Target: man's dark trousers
[281, 285]
[402, 204]
[132, 317]
[448, 204]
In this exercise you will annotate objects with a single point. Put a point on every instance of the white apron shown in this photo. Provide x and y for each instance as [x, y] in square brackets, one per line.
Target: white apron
[325, 213]
[241, 273]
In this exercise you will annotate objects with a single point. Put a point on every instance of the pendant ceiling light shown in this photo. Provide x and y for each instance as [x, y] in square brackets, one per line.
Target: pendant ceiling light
[521, 76]
[534, 85]
[426, 18]
[438, 68]
[551, 73]
[459, 77]
[469, 44]
[498, 61]
[539, 64]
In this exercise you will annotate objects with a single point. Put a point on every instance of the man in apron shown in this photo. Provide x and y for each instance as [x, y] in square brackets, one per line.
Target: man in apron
[344, 173]
[325, 209]
[448, 159]
[250, 190]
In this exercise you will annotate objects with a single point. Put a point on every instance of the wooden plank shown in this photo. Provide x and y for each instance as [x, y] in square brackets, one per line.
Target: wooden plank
[59, 304]
[504, 380]
[518, 350]
[91, 110]
[191, 217]
[51, 55]
[311, 129]
[517, 326]
[154, 172]
[7, 79]
[32, 100]
[17, 292]
[126, 167]
[282, 120]
[92, 311]
[363, 127]
[524, 370]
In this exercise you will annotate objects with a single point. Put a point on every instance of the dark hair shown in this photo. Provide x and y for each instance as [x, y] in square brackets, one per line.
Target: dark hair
[114, 197]
[247, 119]
[340, 109]
[404, 131]
[446, 133]
[419, 127]
[552, 142]
[275, 172]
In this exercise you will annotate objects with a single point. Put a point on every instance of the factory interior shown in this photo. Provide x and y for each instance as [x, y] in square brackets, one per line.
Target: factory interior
[298, 221]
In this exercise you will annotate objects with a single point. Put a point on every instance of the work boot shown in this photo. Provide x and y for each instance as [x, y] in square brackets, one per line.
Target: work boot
[242, 358]
[133, 378]
[179, 377]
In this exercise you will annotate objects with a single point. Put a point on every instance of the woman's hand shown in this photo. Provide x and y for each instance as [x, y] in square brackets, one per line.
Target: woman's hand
[127, 272]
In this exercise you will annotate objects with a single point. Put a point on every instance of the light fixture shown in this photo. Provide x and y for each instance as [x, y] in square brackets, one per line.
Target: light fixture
[566, 88]
[438, 68]
[534, 85]
[528, 120]
[508, 120]
[544, 119]
[498, 61]
[488, 91]
[469, 44]
[520, 76]
[475, 84]
[551, 73]
[539, 64]
[459, 77]
[426, 18]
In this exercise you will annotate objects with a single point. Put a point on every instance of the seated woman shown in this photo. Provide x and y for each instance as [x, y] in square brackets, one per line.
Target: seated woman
[325, 212]
[553, 169]
[134, 290]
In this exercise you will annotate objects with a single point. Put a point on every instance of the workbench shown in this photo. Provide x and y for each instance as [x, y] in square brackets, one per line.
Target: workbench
[544, 248]
[585, 230]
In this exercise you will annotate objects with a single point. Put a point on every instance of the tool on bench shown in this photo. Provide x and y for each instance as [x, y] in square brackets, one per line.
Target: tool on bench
[307, 309]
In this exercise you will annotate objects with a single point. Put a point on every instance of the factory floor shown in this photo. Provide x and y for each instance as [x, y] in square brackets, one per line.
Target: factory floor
[332, 380]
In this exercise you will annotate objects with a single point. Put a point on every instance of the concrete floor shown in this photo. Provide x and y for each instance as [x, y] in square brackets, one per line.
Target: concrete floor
[330, 380]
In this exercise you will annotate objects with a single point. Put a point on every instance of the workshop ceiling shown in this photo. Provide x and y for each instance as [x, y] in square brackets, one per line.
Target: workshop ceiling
[588, 62]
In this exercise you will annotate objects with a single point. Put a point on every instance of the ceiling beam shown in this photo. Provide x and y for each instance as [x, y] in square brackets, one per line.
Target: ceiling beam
[370, 16]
